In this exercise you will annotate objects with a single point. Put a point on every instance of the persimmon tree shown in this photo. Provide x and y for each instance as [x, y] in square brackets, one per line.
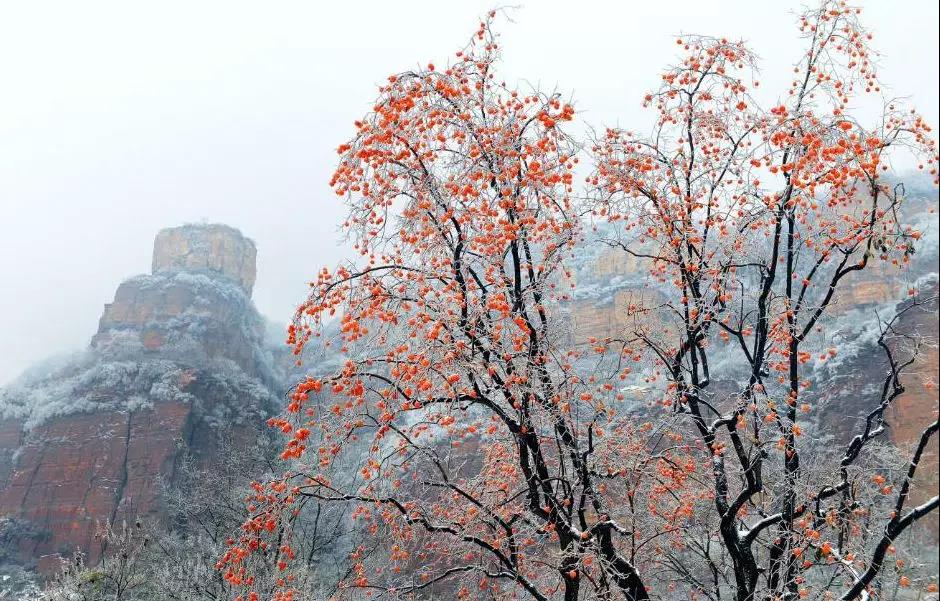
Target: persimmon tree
[488, 452]
[758, 219]
[473, 438]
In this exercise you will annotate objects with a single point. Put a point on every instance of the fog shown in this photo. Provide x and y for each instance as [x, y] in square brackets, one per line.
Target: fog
[120, 118]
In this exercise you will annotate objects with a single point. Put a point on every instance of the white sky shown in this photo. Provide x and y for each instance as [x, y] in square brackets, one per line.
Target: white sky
[120, 118]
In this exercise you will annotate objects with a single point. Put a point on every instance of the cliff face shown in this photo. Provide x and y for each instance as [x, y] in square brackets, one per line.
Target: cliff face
[76, 472]
[607, 282]
[179, 356]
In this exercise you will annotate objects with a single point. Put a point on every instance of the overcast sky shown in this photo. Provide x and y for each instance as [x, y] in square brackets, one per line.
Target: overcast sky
[120, 118]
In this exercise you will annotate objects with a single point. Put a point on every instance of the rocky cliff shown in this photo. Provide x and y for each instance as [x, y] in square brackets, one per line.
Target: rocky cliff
[178, 357]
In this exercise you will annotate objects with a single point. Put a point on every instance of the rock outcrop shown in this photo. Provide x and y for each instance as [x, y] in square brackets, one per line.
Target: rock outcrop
[214, 249]
[179, 356]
